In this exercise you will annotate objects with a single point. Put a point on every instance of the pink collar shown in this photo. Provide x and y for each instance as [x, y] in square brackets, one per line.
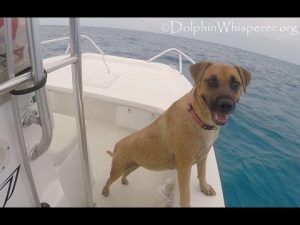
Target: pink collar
[199, 121]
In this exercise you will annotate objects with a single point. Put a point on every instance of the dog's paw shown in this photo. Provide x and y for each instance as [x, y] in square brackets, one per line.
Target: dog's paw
[105, 192]
[125, 181]
[207, 189]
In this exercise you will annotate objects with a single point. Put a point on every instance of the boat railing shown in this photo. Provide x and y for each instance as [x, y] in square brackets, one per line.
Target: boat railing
[75, 60]
[37, 75]
[83, 37]
[180, 54]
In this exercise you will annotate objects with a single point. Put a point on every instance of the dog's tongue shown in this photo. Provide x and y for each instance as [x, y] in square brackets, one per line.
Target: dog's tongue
[221, 118]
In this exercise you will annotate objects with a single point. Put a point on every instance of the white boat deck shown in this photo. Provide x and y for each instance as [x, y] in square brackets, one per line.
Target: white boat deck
[126, 82]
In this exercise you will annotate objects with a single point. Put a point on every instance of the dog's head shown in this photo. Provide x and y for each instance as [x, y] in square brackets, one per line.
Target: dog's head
[220, 87]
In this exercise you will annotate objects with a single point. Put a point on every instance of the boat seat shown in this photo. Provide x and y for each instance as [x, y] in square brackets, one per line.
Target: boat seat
[64, 138]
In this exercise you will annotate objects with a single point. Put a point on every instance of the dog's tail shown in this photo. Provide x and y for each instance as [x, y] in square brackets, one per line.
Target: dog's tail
[110, 153]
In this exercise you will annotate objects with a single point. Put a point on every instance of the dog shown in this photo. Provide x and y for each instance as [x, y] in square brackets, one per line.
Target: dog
[185, 132]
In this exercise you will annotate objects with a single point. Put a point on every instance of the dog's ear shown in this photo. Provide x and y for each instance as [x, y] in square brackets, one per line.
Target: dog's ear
[245, 77]
[197, 70]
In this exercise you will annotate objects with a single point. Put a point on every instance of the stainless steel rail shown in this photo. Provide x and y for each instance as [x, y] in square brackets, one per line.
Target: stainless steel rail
[84, 37]
[14, 83]
[15, 109]
[38, 74]
[62, 63]
[180, 54]
[78, 94]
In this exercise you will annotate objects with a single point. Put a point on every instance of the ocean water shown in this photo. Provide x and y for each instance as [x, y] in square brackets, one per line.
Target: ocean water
[258, 151]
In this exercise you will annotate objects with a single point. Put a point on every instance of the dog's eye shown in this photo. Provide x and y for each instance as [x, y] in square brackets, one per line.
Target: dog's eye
[235, 85]
[212, 82]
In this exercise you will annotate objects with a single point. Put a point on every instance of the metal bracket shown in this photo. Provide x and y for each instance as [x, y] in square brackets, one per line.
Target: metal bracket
[34, 153]
[29, 117]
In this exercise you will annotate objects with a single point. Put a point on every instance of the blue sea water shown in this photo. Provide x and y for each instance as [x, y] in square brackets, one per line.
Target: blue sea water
[258, 152]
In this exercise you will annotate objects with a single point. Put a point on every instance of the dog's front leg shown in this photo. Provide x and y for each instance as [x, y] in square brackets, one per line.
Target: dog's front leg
[204, 186]
[183, 176]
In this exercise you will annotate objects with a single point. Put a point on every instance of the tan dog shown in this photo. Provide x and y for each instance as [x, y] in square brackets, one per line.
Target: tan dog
[183, 135]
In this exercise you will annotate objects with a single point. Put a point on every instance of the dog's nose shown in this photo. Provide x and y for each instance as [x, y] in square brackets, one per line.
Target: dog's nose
[226, 105]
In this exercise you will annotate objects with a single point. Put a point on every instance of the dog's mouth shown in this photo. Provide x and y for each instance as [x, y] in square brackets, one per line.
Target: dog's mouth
[220, 118]
[220, 110]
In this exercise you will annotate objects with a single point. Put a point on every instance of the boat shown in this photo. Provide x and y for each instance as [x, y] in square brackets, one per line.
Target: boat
[55, 154]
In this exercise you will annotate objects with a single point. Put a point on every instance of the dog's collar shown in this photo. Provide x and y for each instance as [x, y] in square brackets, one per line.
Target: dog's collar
[199, 121]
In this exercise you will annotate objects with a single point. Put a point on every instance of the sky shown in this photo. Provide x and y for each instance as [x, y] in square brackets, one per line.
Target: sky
[275, 37]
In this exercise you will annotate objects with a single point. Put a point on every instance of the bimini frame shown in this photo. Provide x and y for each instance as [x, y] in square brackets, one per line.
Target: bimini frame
[37, 75]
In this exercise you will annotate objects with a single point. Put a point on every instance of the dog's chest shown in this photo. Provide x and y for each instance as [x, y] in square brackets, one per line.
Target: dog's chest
[210, 138]
[205, 142]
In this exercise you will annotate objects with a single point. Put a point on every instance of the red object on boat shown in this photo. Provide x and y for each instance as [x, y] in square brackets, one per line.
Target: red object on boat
[15, 24]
